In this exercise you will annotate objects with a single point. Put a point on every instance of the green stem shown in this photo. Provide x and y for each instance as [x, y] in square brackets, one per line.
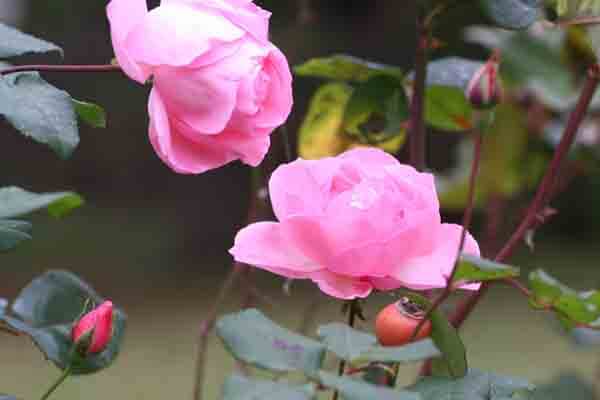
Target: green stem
[66, 373]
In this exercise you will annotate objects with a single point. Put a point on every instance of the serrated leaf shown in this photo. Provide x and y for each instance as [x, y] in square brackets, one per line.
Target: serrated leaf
[512, 14]
[352, 389]
[90, 113]
[13, 232]
[476, 269]
[376, 110]
[16, 43]
[45, 311]
[40, 111]
[345, 68]
[253, 338]
[446, 339]
[238, 387]
[477, 385]
[447, 108]
[15, 202]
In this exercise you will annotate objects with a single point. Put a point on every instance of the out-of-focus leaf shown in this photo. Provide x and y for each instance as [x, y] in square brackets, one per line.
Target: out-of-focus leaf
[322, 133]
[345, 68]
[241, 388]
[91, 113]
[512, 14]
[13, 232]
[254, 339]
[45, 311]
[376, 110]
[15, 43]
[411, 352]
[452, 71]
[447, 108]
[40, 111]
[576, 8]
[352, 389]
[477, 385]
[476, 269]
[567, 386]
[446, 339]
[15, 202]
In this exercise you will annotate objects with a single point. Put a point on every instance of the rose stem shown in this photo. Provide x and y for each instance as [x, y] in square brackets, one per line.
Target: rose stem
[352, 313]
[62, 68]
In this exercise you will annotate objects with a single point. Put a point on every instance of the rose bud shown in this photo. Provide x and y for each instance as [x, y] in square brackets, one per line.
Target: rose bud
[396, 323]
[485, 88]
[92, 333]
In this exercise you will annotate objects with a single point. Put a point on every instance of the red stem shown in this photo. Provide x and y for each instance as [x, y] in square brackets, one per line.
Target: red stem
[61, 68]
[542, 196]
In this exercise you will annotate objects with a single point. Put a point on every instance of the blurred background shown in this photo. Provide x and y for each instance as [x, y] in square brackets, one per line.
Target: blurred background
[157, 242]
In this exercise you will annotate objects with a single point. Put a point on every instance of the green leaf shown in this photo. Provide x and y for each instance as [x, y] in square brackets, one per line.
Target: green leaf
[15, 201]
[45, 311]
[13, 232]
[254, 339]
[344, 68]
[475, 269]
[351, 389]
[477, 385]
[376, 110]
[447, 108]
[238, 387]
[512, 14]
[446, 339]
[576, 8]
[454, 72]
[412, 352]
[40, 111]
[567, 386]
[7, 397]
[16, 43]
[546, 289]
[91, 113]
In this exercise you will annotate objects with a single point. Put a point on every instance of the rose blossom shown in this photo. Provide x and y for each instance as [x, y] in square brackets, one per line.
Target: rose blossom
[99, 324]
[354, 223]
[220, 87]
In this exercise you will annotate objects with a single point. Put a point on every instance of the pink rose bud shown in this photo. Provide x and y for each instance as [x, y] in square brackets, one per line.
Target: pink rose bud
[485, 89]
[93, 331]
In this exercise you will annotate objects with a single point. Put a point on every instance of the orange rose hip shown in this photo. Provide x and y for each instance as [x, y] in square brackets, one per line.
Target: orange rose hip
[396, 323]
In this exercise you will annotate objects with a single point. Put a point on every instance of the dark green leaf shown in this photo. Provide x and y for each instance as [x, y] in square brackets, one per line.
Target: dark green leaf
[345, 342]
[46, 309]
[475, 269]
[40, 111]
[253, 338]
[377, 109]
[15, 43]
[512, 14]
[91, 113]
[446, 339]
[447, 108]
[344, 68]
[567, 386]
[15, 201]
[351, 389]
[477, 385]
[241, 388]
[452, 71]
[13, 232]
[417, 351]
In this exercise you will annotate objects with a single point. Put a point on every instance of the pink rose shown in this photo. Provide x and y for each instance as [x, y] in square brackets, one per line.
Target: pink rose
[95, 328]
[354, 223]
[220, 87]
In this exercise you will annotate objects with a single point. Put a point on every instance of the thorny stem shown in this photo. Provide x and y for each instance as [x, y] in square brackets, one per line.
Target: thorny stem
[352, 314]
[66, 373]
[417, 107]
[61, 68]
[542, 197]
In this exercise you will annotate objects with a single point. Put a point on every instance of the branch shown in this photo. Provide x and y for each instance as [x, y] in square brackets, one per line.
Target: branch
[61, 68]
[353, 312]
[543, 195]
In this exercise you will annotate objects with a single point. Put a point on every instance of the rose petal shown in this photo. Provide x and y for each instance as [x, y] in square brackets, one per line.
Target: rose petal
[340, 286]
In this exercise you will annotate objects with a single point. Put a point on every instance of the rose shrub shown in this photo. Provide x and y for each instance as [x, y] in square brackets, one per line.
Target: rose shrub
[220, 87]
[354, 223]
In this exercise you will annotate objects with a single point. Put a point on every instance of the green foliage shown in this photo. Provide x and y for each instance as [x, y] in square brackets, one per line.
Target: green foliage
[452, 71]
[477, 385]
[573, 308]
[45, 311]
[90, 113]
[567, 386]
[254, 339]
[351, 389]
[446, 339]
[40, 111]
[575, 8]
[345, 68]
[512, 14]
[15, 43]
[15, 202]
[447, 108]
[376, 110]
[476, 269]
[238, 387]
[357, 347]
